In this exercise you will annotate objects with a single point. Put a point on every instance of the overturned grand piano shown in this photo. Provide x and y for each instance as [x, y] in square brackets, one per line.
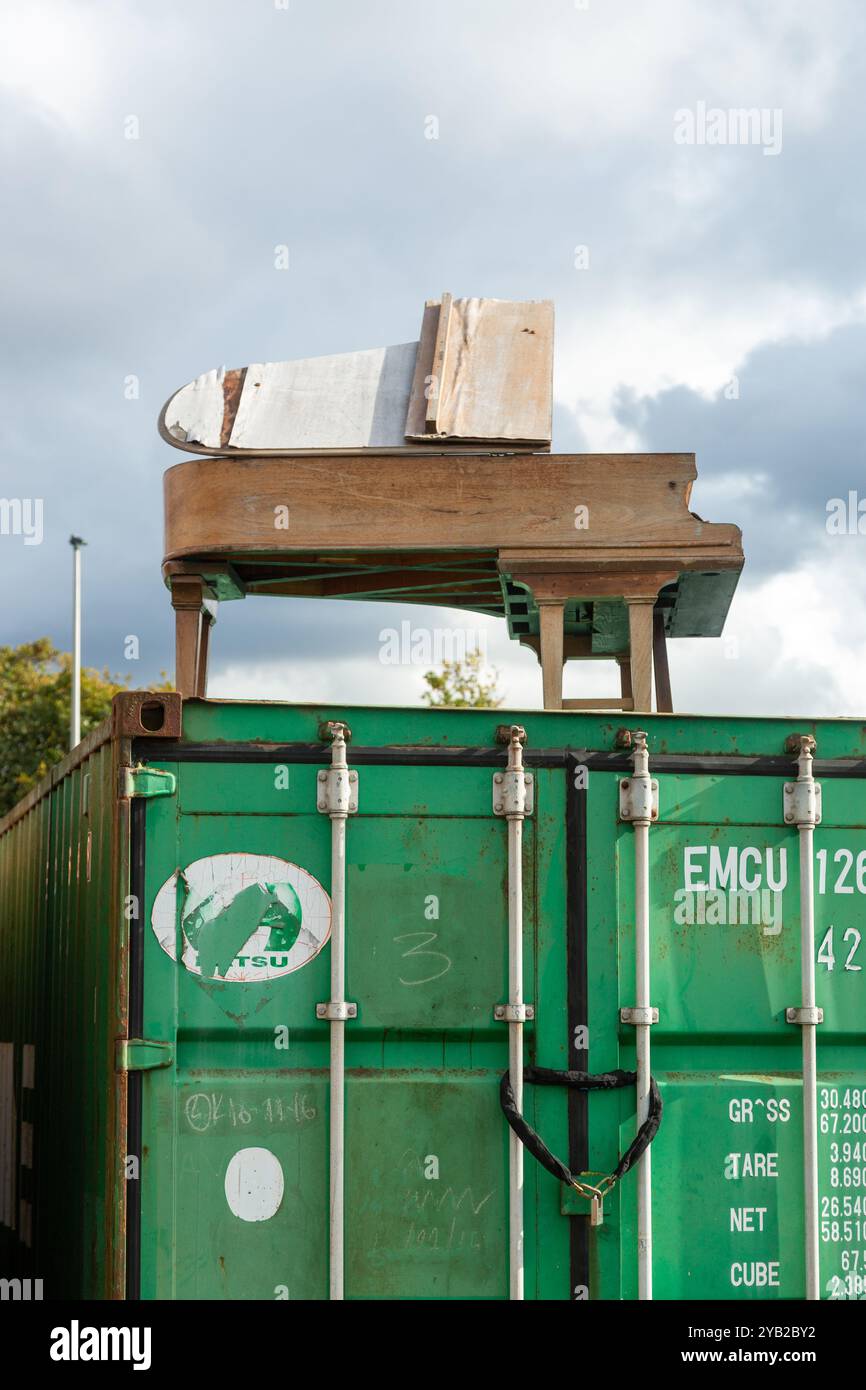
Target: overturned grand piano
[304, 488]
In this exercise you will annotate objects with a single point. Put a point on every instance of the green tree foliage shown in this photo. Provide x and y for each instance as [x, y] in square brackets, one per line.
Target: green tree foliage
[462, 684]
[35, 684]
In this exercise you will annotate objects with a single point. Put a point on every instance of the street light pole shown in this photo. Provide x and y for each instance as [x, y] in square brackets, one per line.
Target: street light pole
[75, 703]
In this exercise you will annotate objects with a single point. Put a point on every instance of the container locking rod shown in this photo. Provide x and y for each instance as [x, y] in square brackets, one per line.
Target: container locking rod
[802, 807]
[337, 797]
[512, 798]
[638, 802]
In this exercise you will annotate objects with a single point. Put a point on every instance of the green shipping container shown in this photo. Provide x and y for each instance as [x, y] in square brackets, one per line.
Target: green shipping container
[173, 1023]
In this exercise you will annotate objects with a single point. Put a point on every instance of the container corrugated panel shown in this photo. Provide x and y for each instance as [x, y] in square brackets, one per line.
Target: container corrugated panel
[63, 985]
[227, 860]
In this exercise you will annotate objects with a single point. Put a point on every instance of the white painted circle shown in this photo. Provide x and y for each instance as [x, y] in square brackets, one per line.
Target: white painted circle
[254, 1184]
[212, 884]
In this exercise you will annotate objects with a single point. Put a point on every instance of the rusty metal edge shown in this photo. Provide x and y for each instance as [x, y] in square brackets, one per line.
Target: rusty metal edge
[120, 723]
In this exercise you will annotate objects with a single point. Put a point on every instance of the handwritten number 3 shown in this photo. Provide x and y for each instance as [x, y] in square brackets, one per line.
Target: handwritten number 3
[425, 938]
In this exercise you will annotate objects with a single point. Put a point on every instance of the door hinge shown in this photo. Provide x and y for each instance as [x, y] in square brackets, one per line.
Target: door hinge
[140, 1054]
[146, 781]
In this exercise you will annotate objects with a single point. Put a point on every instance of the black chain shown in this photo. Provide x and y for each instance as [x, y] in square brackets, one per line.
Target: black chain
[580, 1081]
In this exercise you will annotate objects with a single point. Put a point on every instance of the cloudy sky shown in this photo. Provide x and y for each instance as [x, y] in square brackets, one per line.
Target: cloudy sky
[722, 309]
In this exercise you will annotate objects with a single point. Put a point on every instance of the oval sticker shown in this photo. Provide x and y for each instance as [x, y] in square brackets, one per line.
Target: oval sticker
[242, 918]
[254, 1184]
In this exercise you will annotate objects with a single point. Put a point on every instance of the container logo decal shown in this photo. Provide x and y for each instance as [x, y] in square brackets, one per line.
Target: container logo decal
[242, 918]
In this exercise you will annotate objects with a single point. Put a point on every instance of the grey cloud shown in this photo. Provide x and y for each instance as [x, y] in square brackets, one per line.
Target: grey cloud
[798, 428]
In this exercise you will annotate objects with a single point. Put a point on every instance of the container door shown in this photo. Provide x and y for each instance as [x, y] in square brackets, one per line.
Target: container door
[725, 929]
[235, 938]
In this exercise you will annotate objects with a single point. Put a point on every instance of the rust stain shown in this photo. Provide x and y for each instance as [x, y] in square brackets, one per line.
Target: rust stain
[233, 384]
